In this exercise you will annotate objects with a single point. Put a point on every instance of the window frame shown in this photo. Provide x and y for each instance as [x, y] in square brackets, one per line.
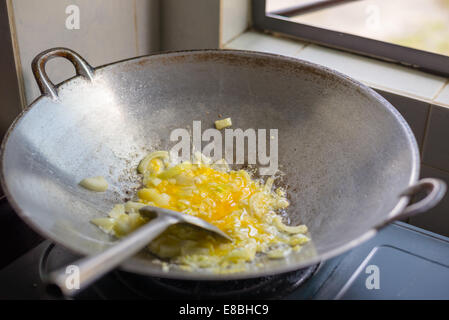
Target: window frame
[418, 59]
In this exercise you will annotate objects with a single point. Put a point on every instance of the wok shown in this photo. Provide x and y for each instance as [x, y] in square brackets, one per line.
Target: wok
[351, 162]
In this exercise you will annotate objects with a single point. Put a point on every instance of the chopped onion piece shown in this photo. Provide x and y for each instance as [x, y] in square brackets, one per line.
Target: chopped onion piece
[97, 184]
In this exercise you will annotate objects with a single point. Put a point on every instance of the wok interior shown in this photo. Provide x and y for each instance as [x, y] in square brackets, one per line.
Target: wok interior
[346, 154]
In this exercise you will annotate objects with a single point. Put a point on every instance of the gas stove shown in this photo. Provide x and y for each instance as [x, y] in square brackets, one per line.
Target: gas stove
[400, 262]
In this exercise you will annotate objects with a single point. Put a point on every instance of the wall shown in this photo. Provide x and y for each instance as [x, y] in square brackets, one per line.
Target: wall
[235, 18]
[109, 30]
[112, 30]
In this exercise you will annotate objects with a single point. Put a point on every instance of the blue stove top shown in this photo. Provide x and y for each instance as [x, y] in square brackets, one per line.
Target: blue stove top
[400, 262]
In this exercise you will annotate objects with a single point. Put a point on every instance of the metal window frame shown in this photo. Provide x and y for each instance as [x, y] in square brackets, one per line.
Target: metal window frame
[418, 59]
[312, 5]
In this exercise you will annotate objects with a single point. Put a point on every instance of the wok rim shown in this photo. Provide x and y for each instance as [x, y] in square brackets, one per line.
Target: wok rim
[130, 266]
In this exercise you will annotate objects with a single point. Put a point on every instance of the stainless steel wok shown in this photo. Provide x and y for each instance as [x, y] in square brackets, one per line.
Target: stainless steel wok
[351, 162]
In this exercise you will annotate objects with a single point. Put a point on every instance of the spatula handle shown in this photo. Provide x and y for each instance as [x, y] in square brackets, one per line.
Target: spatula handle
[93, 267]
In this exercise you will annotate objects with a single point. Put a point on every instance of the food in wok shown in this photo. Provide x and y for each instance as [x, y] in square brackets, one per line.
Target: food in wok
[248, 210]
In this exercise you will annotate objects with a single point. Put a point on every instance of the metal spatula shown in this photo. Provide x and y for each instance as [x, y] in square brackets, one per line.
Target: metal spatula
[93, 267]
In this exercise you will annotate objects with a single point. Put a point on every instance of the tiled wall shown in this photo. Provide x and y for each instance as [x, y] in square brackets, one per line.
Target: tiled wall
[430, 124]
[110, 30]
[198, 24]
[235, 18]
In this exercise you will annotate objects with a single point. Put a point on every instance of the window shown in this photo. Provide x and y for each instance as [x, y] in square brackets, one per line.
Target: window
[410, 32]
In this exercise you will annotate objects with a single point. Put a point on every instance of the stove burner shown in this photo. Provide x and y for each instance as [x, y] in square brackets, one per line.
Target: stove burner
[125, 285]
[270, 287]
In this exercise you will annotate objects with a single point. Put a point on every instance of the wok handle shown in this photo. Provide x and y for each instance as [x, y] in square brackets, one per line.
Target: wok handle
[43, 81]
[61, 283]
[434, 189]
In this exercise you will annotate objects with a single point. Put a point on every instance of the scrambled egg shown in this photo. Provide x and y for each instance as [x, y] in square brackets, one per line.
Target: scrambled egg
[244, 208]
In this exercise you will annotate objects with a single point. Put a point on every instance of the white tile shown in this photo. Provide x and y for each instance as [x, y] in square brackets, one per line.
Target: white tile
[256, 41]
[415, 112]
[106, 34]
[235, 18]
[436, 219]
[374, 72]
[443, 96]
[436, 144]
